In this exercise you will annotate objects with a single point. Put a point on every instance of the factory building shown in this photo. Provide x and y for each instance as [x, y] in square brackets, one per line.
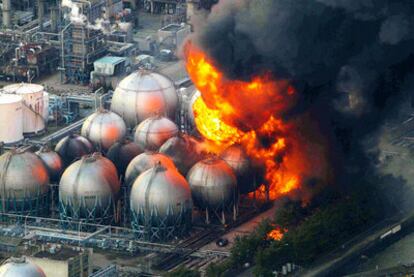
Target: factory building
[55, 260]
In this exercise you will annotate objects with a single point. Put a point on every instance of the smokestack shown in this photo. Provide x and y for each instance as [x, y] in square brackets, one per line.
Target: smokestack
[41, 12]
[7, 13]
[54, 19]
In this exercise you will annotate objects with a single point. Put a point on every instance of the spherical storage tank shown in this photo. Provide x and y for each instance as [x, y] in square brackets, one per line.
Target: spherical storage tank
[190, 110]
[121, 154]
[143, 94]
[143, 162]
[161, 204]
[154, 131]
[33, 106]
[213, 184]
[25, 183]
[20, 268]
[73, 147]
[104, 128]
[182, 149]
[88, 190]
[11, 118]
[52, 161]
[237, 159]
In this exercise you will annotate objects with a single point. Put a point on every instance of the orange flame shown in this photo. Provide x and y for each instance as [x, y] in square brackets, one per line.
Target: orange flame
[245, 112]
[276, 234]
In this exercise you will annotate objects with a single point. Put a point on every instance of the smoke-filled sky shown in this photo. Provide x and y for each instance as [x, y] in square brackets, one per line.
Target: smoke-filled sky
[351, 60]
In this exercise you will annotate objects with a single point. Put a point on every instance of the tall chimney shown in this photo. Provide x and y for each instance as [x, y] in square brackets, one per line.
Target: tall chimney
[54, 18]
[7, 13]
[41, 12]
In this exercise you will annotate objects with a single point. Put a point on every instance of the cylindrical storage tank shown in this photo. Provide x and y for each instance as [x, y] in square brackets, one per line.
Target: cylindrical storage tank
[143, 162]
[32, 94]
[122, 153]
[46, 106]
[161, 204]
[103, 128]
[237, 159]
[52, 161]
[143, 94]
[154, 131]
[88, 190]
[73, 147]
[11, 118]
[19, 267]
[182, 149]
[213, 184]
[25, 183]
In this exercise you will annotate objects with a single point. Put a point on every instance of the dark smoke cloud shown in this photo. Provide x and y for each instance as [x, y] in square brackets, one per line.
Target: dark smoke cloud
[350, 59]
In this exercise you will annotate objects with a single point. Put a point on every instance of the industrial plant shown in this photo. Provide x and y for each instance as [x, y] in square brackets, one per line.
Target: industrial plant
[182, 138]
[100, 153]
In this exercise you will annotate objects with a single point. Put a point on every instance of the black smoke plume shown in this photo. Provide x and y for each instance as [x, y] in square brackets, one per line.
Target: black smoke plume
[351, 61]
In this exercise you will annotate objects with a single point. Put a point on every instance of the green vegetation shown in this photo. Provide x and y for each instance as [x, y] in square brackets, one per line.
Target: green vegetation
[313, 229]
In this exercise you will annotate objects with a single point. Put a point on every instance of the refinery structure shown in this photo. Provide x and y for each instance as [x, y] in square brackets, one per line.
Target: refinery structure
[100, 154]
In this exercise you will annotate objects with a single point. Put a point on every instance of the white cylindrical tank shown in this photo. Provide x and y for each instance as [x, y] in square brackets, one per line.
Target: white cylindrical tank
[11, 118]
[103, 128]
[143, 94]
[33, 106]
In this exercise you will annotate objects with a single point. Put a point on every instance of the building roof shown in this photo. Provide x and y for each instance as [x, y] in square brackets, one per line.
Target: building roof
[111, 60]
[62, 254]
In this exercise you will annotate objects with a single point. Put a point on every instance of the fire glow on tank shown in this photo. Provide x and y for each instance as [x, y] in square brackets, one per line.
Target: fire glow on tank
[234, 111]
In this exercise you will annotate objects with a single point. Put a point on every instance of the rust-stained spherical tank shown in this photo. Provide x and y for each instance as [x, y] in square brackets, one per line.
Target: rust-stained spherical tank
[143, 94]
[73, 147]
[163, 196]
[25, 183]
[237, 159]
[19, 267]
[213, 184]
[52, 161]
[88, 190]
[182, 149]
[143, 162]
[103, 128]
[122, 153]
[154, 131]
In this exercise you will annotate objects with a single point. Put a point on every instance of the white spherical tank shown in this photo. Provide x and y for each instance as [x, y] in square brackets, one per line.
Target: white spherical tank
[182, 149]
[33, 106]
[154, 131]
[213, 184]
[11, 118]
[104, 128]
[161, 204]
[237, 159]
[88, 190]
[190, 110]
[143, 94]
[143, 162]
[25, 183]
[20, 268]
